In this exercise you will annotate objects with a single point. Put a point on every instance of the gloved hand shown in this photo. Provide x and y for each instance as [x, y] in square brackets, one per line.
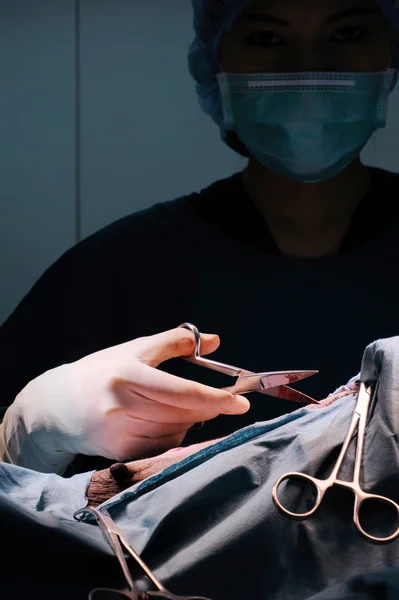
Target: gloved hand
[113, 403]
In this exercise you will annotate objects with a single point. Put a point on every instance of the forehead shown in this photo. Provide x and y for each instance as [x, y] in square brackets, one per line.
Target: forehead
[314, 8]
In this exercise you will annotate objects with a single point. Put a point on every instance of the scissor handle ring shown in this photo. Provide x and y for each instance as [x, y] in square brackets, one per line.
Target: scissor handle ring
[360, 499]
[302, 476]
[197, 338]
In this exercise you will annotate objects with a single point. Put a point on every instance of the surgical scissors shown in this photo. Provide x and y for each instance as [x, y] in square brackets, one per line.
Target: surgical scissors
[271, 383]
[117, 541]
[320, 486]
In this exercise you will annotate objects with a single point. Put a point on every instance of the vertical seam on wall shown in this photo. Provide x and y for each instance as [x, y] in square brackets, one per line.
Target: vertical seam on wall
[78, 206]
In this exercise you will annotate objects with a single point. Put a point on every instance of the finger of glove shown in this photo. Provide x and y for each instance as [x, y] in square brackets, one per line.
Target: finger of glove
[174, 391]
[155, 349]
[142, 407]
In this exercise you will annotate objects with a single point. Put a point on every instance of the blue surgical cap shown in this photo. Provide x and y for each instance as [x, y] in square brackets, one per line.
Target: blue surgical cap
[212, 18]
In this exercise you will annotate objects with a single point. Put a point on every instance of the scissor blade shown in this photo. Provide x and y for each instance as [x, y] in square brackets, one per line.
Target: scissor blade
[263, 381]
[286, 393]
[270, 380]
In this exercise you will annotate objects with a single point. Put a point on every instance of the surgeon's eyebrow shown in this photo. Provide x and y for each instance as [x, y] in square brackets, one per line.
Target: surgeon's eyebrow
[359, 11]
[263, 18]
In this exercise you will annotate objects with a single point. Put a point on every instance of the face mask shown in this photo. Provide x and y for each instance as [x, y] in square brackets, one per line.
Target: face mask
[306, 126]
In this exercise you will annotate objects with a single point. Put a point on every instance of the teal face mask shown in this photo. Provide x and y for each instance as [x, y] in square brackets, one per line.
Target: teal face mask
[306, 126]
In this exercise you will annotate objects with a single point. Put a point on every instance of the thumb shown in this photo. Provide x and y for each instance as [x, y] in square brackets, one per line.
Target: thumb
[174, 343]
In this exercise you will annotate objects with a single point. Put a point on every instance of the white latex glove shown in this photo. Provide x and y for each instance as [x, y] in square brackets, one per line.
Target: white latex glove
[114, 404]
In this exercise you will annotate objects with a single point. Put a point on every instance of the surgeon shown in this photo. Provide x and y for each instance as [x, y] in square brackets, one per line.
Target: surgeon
[292, 261]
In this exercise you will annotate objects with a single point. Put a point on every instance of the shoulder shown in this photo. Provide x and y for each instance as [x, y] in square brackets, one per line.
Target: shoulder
[381, 207]
[383, 181]
[166, 218]
[151, 227]
[155, 234]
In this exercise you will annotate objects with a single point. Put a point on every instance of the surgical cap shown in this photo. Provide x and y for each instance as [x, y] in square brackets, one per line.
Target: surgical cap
[212, 18]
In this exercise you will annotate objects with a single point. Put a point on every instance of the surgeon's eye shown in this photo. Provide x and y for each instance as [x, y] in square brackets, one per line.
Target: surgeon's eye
[264, 38]
[350, 34]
